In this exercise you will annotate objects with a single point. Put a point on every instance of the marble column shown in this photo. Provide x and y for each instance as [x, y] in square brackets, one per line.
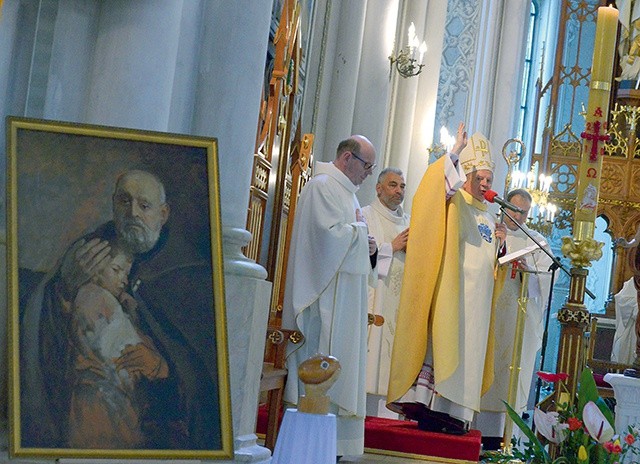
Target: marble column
[134, 64]
[344, 76]
[229, 85]
[413, 100]
[507, 86]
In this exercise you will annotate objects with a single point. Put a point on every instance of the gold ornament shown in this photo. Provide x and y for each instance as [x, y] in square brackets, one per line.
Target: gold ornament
[583, 252]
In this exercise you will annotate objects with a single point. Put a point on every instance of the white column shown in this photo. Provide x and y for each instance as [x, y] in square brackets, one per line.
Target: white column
[373, 88]
[507, 87]
[134, 64]
[413, 102]
[345, 70]
[229, 85]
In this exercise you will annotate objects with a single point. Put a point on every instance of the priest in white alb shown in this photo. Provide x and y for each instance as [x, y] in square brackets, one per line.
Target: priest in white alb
[491, 420]
[330, 262]
[625, 339]
[442, 358]
[389, 225]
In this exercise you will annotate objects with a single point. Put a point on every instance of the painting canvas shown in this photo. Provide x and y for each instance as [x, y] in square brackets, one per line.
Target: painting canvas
[116, 297]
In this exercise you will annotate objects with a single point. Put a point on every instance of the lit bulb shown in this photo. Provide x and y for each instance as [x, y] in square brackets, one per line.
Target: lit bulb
[412, 33]
[446, 139]
[423, 49]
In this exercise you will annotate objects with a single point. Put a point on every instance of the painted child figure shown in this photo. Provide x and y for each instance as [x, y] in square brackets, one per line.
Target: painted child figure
[104, 413]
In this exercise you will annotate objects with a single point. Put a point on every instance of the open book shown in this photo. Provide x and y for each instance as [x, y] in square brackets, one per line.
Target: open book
[521, 253]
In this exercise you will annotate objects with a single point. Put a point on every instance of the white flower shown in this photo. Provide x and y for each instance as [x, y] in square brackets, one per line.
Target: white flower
[596, 424]
[549, 427]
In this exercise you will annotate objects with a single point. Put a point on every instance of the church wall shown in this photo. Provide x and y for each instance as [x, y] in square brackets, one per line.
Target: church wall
[348, 77]
[68, 79]
[506, 87]
[193, 67]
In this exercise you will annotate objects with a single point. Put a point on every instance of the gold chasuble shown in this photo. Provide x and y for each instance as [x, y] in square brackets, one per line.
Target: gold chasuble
[430, 297]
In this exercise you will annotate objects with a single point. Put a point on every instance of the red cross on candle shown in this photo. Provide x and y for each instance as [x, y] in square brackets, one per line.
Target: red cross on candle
[595, 137]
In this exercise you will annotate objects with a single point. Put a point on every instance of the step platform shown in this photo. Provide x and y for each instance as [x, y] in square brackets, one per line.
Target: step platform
[403, 438]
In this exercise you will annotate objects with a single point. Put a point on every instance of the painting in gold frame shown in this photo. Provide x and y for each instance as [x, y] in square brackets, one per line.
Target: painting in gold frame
[117, 332]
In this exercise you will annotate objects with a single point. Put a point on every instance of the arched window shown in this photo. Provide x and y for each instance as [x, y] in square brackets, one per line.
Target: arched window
[528, 72]
[599, 279]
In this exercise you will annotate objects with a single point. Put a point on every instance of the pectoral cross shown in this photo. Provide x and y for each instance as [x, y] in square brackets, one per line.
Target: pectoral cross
[595, 137]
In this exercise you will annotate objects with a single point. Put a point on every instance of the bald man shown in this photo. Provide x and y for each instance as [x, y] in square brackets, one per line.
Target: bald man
[330, 259]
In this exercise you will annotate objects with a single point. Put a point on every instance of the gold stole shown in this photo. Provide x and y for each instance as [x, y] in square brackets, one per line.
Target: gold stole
[430, 289]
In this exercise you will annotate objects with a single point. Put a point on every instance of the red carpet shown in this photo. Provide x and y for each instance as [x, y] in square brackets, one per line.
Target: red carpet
[405, 437]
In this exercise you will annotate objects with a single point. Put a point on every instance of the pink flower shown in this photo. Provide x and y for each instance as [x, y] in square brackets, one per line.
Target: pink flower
[551, 377]
[630, 439]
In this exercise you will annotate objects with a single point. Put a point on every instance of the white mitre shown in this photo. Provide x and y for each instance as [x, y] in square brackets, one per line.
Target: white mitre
[477, 154]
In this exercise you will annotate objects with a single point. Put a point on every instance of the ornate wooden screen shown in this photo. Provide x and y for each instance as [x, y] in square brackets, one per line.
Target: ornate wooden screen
[283, 154]
[561, 142]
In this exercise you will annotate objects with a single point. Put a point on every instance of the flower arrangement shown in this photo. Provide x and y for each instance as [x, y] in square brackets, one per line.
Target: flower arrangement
[580, 433]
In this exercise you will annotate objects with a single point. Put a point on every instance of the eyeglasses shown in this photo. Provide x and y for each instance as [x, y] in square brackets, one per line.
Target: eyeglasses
[367, 166]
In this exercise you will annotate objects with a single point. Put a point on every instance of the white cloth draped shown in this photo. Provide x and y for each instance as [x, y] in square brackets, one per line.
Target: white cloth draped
[384, 225]
[306, 437]
[459, 395]
[624, 340]
[326, 295]
[505, 323]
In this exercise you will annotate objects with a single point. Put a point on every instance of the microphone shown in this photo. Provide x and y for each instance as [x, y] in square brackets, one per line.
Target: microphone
[492, 197]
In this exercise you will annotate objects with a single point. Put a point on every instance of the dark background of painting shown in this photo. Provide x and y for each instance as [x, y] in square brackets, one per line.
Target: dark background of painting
[65, 183]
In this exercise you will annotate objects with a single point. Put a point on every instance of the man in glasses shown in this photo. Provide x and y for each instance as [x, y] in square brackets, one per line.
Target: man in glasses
[330, 260]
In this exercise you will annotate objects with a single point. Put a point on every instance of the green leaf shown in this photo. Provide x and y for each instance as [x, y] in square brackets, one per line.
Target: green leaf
[588, 391]
[535, 443]
[606, 411]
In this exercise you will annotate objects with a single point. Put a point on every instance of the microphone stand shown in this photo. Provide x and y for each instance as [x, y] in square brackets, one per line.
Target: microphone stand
[545, 335]
[555, 260]
[554, 266]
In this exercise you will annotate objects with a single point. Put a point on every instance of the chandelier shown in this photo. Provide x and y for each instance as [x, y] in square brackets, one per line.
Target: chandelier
[542, 213]
[407, 63]
[444, 146]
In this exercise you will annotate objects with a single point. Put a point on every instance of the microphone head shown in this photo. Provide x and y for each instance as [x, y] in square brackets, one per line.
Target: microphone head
[489, 195]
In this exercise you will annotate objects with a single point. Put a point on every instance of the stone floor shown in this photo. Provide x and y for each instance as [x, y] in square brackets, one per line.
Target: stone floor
[370, 458]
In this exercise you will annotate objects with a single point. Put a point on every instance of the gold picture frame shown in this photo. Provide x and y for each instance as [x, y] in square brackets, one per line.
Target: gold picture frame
[117, 331]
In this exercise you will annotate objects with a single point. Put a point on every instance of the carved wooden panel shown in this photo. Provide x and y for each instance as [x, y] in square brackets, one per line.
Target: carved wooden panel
[274, 187]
